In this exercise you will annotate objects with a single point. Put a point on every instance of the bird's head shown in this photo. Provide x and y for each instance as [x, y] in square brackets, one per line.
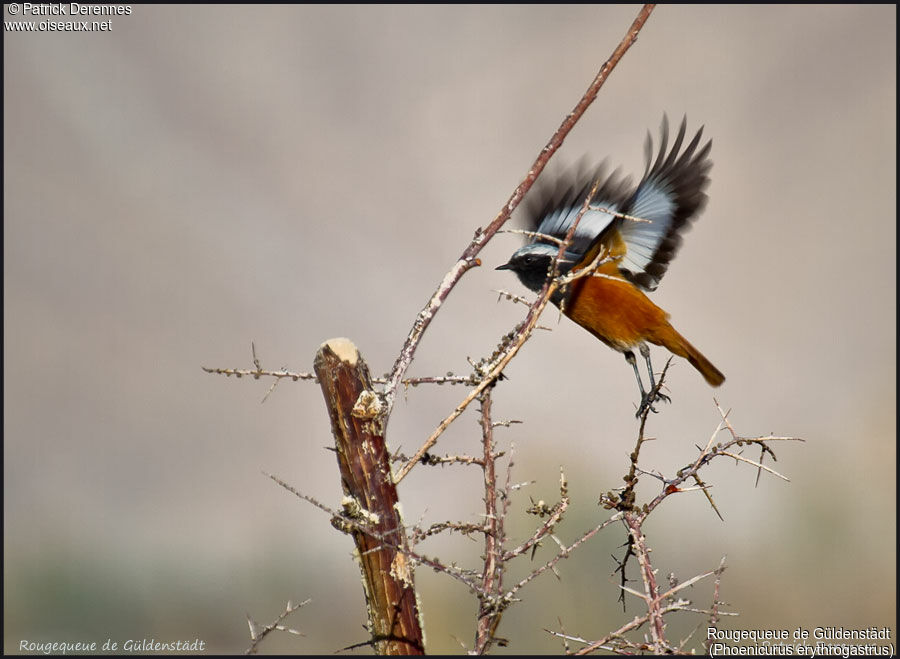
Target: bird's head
[532, 264]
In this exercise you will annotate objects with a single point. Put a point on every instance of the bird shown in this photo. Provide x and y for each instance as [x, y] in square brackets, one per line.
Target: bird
[633, 233]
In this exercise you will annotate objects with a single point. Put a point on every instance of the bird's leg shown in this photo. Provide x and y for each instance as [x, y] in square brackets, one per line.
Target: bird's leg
[654, 389]
[629, 357]
[646, 398]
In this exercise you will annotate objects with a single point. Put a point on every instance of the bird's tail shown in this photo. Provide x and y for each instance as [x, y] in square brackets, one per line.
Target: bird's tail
[680, 346]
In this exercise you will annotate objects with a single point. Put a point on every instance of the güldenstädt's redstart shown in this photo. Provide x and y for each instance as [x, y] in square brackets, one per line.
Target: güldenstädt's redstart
[634, 252]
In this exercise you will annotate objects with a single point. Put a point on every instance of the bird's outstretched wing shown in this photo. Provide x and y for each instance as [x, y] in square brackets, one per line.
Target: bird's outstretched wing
[670, 194]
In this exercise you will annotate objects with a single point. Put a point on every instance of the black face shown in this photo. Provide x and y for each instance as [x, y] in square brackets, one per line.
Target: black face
[531, 267]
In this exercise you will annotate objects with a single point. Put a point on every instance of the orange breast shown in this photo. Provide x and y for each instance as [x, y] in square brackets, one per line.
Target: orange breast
[613, 310]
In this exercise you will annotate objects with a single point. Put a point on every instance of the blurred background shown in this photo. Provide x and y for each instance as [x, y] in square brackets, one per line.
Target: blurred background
[200, 177]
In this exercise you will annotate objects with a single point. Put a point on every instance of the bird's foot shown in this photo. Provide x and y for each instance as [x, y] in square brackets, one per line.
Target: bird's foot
[649, 398]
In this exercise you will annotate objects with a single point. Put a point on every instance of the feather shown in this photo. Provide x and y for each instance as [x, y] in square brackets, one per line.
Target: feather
[670, 194]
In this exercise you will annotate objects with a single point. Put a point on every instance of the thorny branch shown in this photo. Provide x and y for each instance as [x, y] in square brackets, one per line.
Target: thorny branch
[259, 632]
[487, 585]
[257, 373]
[492, 576]
[634, 516]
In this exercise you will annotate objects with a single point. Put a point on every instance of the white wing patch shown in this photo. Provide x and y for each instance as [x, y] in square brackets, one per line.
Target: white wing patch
[592, 223]
[653, 202]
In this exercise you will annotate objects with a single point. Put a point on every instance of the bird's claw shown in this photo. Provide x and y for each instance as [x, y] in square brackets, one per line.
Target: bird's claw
[649, 398]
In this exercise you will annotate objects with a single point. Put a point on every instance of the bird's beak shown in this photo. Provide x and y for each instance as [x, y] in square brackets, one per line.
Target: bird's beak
[505, 266]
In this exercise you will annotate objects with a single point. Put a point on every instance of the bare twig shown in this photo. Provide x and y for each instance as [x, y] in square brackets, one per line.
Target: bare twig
[257, 373]
[755, 464]
[490, 607]
[534, 234]
[714, 608]
[564, 552]
[610, 211]
[618, 635]
[554, 515]
[651, 589]
[709, 453]
[518, 299]
[418, 534]
[259, 632]
[626, 500]
[431, 459]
